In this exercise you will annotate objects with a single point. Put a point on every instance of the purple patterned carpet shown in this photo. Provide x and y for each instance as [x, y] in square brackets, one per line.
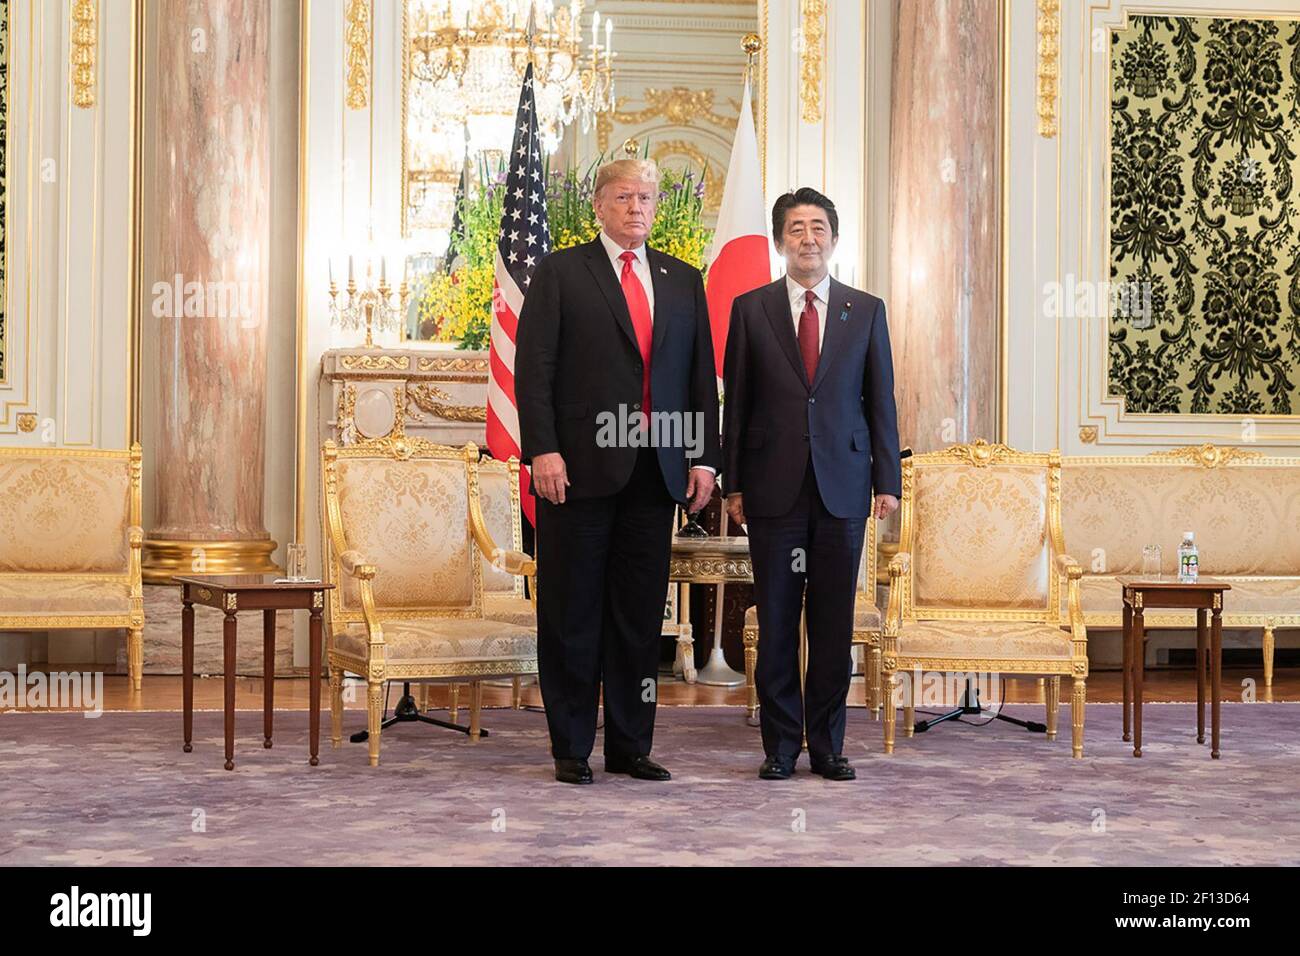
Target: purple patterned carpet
[118, 790]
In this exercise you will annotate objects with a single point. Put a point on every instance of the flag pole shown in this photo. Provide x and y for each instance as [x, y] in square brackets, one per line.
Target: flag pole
[717, 672]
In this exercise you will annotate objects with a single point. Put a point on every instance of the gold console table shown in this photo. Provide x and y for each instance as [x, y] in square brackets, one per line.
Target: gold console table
[713, 560]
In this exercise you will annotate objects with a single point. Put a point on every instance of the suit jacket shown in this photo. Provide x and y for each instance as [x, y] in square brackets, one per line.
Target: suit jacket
[775, 420]
[576, 356]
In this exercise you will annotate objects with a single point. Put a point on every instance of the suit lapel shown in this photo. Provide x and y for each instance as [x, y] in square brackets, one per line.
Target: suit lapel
[659, 283]
[837, 304]
[607, 282]
[777, 306]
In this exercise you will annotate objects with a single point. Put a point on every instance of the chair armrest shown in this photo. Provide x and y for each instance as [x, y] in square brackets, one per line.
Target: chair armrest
[1068, 566]
[512, 562]
[899, 566]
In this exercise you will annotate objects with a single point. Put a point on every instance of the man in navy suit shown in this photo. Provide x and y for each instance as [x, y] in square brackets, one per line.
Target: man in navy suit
[810, 432]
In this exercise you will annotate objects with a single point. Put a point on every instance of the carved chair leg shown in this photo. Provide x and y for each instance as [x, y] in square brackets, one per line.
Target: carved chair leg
[909, 710]
[135, 657]
[873, 675]
[475, 710]
[1078, 700]
[453, 702]
[336, 707]
[890, 681]
[1268, 655]
[1053, 693]
[517, 694]
[751, 664]
[374, 716]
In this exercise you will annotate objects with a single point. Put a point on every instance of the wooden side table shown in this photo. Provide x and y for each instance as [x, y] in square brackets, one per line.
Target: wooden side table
[1206, 596]
[232, 593]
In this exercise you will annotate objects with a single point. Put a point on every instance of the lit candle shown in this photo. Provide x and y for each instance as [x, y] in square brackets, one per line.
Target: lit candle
[329, 262]
[595, 27]
[349, 268]
[383, 269]
[609, 32]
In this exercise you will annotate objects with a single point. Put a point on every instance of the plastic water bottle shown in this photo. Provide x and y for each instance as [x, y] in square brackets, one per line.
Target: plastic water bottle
[1189, 559]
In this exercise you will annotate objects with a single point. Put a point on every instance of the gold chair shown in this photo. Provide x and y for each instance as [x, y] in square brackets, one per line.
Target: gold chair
[866, 631]
[976, 584]
[401, 545]
[70, 541]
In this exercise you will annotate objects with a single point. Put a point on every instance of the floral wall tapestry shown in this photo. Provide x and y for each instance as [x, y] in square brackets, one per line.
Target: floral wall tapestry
[1205, 243]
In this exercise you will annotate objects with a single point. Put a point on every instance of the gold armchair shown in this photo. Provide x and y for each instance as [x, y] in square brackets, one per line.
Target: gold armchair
[402, 545]
[866, 630]
[70, 541]
[976, 584]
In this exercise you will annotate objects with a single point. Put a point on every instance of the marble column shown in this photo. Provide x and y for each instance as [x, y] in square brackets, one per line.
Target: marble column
[208, 319]
[945, 219]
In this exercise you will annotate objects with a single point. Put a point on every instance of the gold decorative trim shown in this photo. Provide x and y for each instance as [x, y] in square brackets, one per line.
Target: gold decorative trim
[425, 396]
[27, 422]
[85, 37]
[165, 558]
[812, 54]
[704, 569]
[203, 593]
[1049, 65]
[356, 39]
[1088, 434]
[1207, 455]
[1218, 600]
[232, 601]
[980, 453]
[441, 363]
[317, 598]
[680, 106]
[374, 363]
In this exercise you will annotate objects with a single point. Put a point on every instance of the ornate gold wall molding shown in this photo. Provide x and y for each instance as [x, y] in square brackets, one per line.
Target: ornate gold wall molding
[1049, 67]
[1088, 434]
[356, 40]
[85, 37]
[1207, 455]
[812, 55]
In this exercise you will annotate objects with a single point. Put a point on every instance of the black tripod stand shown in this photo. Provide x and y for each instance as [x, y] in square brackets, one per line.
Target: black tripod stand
[970, 706]
[406, 712]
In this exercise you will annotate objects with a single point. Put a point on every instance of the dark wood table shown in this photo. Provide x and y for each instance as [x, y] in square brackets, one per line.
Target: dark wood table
[232, 593]
[1206, 596]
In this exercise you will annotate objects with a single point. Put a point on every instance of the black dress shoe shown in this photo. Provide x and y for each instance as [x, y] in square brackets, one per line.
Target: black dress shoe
[641, 768]
[573, 771]
[834, 767]
[776, 768]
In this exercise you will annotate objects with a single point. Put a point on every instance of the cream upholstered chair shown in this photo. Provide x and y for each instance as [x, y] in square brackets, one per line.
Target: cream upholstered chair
[401, 547]
[976, 584]
[866, 630]
[70, 541]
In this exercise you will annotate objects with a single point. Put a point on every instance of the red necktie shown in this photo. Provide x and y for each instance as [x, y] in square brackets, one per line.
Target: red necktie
[809, 348]
[639, 308]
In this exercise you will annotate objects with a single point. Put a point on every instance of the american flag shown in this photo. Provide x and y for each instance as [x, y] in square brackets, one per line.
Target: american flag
[524, 239]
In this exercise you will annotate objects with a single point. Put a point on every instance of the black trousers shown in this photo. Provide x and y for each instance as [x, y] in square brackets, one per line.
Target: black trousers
[602, 577]
[806, 555]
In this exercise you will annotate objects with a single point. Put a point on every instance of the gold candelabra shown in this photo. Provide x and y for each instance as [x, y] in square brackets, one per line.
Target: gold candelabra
[369, 307]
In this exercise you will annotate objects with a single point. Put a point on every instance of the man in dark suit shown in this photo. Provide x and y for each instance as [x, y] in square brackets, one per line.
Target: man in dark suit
[810, 430]
[609, 331]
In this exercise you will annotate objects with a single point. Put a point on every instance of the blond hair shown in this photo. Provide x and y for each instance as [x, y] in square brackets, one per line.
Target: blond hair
[643, 170]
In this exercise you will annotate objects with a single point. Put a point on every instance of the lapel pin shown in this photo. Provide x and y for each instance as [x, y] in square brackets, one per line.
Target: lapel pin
[844, 316]
[663, 270]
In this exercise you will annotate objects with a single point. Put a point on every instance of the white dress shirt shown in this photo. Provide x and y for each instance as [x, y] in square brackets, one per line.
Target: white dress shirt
[795, 292]
[640, 267]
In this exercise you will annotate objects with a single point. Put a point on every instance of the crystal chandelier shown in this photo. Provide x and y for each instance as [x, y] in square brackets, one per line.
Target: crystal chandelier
[472, 55]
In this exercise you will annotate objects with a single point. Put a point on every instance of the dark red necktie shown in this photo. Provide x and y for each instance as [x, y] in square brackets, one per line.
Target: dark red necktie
[808, 345]
[638, 306]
